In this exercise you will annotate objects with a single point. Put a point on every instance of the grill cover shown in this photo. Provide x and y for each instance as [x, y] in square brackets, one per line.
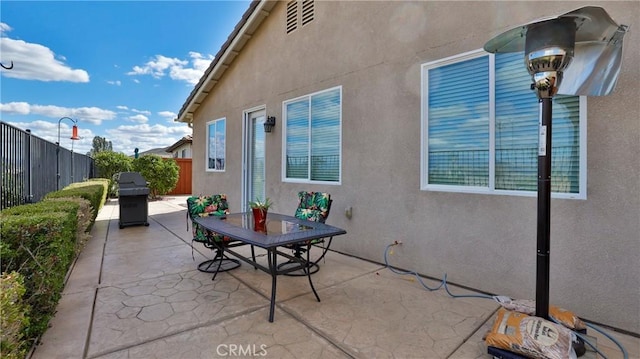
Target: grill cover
[132, 184]
[137, 191]
[133, 193]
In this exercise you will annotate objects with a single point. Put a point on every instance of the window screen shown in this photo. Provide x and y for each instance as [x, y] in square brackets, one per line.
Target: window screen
[481, 120]
[313, 137]
[216, 138]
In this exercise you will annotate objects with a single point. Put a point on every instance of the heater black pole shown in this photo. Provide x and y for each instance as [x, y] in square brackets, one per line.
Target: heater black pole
[544, 211]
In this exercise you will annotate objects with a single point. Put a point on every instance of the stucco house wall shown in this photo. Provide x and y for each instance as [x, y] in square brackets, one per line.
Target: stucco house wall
[374, 51]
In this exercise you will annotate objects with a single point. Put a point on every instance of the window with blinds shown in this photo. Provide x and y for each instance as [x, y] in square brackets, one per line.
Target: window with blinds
[313, 137]
[480, 129]
[216, 144]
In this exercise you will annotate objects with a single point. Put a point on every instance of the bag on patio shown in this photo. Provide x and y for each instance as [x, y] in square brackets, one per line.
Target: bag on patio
[531, 336]
[528, 306]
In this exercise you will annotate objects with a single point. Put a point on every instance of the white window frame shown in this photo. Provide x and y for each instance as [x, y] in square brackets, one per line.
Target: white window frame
[424, 136]
[284, 141]
[206, 152]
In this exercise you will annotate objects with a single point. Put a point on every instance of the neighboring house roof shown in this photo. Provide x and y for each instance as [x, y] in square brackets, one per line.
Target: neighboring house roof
[161, 151]
[183, 141]
[252, 18]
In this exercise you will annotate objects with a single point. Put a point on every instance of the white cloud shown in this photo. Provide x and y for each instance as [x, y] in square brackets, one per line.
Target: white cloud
[93, 115]
[135, 115]
[191, 76]
[116, 83]
[35, 62]
[139, 118]
[49, 132]
[200, 62]
[126, 138]
[176, 69]
[168, 115]
[17, 108]
[144, 112]
[157, 67]
[4, 28]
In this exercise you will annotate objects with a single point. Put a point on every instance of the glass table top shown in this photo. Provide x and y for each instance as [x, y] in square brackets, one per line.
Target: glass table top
[275, 225]
[279, 229]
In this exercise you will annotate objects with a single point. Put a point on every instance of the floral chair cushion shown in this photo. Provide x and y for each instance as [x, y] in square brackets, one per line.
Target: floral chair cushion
[313, 206]
[202, 206]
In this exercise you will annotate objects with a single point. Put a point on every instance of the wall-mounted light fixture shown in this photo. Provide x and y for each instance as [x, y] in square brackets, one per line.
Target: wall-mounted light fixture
[577, 53]
[269, 124]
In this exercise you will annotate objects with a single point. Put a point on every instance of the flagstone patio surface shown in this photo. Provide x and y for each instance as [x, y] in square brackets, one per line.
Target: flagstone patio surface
[136, 293]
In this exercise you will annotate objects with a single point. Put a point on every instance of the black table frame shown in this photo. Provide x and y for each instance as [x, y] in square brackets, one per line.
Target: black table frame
[303, 232]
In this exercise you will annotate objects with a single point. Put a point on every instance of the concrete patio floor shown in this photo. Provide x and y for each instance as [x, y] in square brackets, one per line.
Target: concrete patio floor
[136, 293]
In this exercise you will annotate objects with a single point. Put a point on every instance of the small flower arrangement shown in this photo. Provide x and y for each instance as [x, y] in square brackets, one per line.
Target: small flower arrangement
[258, 203]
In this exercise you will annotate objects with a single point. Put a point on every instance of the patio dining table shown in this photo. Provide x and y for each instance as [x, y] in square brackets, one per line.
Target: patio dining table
[280, 230]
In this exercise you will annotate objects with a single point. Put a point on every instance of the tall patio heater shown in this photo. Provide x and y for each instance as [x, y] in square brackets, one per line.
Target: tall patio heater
[577, 53]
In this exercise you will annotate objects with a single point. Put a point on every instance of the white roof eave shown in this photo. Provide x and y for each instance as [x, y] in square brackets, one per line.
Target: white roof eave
[229, 53]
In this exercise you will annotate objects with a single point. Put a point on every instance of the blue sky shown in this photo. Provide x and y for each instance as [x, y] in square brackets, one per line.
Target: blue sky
[122, 69]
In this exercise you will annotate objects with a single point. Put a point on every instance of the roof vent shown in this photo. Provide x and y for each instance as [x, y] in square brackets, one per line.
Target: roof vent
[292, 16]
[307, 11]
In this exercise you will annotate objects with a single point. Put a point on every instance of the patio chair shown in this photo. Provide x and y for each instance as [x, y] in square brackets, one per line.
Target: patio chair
[214, 205]
[312, 206]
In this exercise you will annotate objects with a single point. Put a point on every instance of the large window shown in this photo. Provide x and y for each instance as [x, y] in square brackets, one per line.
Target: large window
[480, 129]
[216, 144]
[313, 137]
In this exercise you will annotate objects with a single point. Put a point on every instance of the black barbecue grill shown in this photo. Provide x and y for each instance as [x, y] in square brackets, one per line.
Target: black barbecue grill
[132, 196]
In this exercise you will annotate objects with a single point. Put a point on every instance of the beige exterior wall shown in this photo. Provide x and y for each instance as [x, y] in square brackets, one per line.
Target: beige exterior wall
[374, 51]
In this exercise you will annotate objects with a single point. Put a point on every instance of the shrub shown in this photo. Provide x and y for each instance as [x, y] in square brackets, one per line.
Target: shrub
[162, 174]
[11, 187]
[83, 217]
[39, 243]
[94, 193]
[105, 182]
[110, 163]
[40, 246]
[14, 316]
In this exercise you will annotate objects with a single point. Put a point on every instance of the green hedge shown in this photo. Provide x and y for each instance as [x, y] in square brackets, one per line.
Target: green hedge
[104, 182]
[39, 241]
[40, 246]
[84, 217]
[15, 316]
[92, 192]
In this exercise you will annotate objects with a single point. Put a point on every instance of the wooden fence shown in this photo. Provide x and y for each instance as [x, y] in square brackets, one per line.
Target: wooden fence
[184, 178]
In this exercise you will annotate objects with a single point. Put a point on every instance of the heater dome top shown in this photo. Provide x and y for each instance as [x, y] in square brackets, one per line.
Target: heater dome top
[597, 49]
[592, 24]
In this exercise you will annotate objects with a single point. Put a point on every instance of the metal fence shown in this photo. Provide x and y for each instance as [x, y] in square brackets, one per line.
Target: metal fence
[33, 167]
